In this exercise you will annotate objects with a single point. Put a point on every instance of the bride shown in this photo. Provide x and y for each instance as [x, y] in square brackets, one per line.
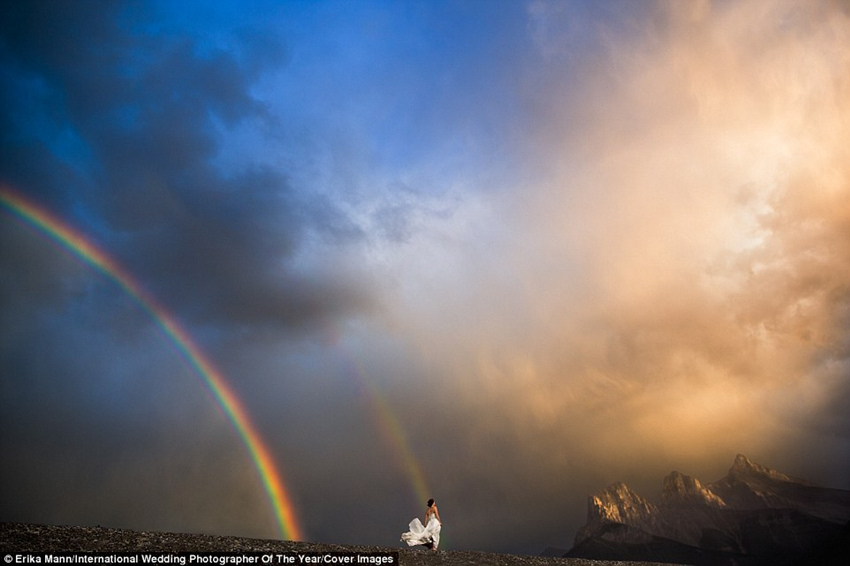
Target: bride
[428, 535]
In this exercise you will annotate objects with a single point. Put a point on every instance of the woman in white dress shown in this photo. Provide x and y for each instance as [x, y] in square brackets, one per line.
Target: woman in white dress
[427, 535]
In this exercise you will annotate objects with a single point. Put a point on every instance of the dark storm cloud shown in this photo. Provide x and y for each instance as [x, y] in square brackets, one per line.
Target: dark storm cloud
[115, 123]
[147, 111]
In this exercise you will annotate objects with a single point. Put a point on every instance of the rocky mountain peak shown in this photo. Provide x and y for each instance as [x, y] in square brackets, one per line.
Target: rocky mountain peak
[754, 515]
[616, 504]
[743, 469]
[619, 504]
[681, 489]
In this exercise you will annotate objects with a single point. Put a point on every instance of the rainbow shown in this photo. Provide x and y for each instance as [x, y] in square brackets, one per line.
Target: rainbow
[78, 245]
[388, 423]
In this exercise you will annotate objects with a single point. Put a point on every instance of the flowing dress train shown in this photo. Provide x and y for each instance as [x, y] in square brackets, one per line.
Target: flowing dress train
[423, 535]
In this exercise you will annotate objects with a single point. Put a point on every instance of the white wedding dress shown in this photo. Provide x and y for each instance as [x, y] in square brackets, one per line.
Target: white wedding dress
[423, 535]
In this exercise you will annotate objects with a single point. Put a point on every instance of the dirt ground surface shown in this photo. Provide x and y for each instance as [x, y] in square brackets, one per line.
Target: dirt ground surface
[21, 538]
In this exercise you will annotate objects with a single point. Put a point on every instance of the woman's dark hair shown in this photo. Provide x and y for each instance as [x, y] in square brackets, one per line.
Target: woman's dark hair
[430, 502]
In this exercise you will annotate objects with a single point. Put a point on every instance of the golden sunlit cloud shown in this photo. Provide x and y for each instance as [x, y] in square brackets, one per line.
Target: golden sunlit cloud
[685, 264]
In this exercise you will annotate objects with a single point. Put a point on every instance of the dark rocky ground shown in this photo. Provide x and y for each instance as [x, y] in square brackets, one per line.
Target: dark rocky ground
[22, 537]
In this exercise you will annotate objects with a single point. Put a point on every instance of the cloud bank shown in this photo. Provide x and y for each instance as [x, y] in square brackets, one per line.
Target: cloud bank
[567, 244]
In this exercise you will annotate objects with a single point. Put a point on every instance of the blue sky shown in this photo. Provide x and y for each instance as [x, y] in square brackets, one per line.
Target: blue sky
[570, 243]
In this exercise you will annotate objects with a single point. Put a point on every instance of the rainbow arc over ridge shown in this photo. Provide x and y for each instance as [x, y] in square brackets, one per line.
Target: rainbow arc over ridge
[214, 380]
